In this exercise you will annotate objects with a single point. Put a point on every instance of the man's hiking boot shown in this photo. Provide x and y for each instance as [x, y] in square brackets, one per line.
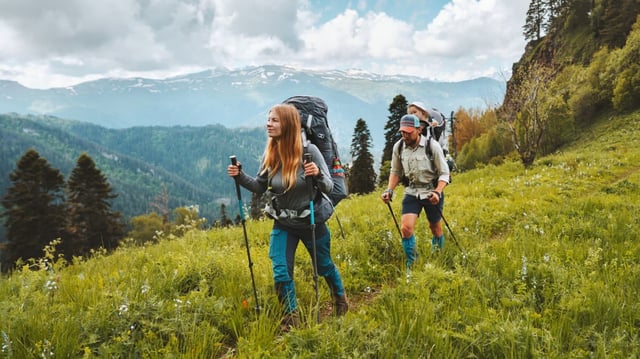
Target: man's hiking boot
[340, 306]
[289, 321]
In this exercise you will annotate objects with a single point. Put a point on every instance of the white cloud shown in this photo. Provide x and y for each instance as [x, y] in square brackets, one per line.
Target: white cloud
[473, 27]
[474, 36]
[249, 32]
[349, 41]
[62, 42]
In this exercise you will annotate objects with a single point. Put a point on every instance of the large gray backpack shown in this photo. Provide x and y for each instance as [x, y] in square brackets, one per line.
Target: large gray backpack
[315, 127]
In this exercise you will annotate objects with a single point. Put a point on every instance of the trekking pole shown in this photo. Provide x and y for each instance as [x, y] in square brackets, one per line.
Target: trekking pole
[309, 179]
[449, 228]
[340, 226]
[394, 218]
[234, 161]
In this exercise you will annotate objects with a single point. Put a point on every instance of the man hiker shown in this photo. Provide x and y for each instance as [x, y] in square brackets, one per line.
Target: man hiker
[427, 174]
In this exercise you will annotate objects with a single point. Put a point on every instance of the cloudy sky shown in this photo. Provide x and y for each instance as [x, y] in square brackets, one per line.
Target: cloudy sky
[55, 43]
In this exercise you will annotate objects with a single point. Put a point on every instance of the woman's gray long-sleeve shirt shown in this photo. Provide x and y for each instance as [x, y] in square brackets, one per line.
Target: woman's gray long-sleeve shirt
[294, 202]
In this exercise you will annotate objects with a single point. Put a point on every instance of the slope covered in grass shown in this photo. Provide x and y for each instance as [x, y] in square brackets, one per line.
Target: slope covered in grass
[545, 264]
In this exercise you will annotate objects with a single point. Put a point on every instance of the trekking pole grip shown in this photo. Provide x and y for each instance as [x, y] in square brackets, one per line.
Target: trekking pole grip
[234, 161]
[307, 158]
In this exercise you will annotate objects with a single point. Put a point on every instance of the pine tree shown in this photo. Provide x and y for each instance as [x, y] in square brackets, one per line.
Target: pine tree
[256, 206]
[397, 109]
[362, 178]
[555, 10]
[92, 223]
[224, 218]
[35, 209]
[535, 21]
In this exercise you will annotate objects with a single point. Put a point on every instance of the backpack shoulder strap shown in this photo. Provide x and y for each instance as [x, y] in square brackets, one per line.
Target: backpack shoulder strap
[427, 149]
[305, 140]
[307, 126]
[400, 148]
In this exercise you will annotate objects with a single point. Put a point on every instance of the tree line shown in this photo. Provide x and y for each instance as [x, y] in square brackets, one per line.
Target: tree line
[40, 208]
[138, 161]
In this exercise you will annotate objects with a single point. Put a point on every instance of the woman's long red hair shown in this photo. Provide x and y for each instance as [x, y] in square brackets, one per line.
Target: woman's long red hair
[285, 152]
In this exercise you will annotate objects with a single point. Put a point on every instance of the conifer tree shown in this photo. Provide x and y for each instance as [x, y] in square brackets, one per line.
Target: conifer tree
[535, 21]
[224, 218]
[35, 209]
[362, 177]
[397, 109]
[554, 9]
[256, 206]
[92, 223]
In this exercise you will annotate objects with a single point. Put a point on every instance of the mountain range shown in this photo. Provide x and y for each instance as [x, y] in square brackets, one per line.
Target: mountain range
[241, 98]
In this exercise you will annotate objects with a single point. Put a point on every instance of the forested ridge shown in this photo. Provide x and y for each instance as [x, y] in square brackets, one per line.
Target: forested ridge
[564, 34]
[139, 161]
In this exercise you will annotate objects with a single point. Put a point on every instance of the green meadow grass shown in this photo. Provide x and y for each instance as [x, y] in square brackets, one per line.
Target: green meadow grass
[545, 265]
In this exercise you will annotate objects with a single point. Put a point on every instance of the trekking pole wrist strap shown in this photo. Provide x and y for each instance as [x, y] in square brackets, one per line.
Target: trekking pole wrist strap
[389, 191]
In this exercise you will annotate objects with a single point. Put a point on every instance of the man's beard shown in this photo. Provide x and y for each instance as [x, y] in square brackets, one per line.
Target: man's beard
[411, 142]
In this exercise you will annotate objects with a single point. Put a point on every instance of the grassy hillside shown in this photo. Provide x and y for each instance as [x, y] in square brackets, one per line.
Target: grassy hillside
[546, 265]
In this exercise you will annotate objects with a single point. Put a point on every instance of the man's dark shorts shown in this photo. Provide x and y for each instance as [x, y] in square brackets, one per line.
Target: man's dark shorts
[411, 204]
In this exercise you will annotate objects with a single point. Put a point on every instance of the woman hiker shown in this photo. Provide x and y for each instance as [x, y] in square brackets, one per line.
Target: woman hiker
[283, 174]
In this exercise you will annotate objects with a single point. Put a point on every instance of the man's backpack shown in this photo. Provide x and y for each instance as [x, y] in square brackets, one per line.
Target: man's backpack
[438, 131]
[315, 127]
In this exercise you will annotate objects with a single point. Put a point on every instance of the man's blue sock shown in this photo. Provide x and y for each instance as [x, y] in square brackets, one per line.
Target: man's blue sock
[409, 246]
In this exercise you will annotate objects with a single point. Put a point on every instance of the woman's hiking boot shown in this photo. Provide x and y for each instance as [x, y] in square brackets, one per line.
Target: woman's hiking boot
[289, 321]
[340, 303]
[340, 306]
